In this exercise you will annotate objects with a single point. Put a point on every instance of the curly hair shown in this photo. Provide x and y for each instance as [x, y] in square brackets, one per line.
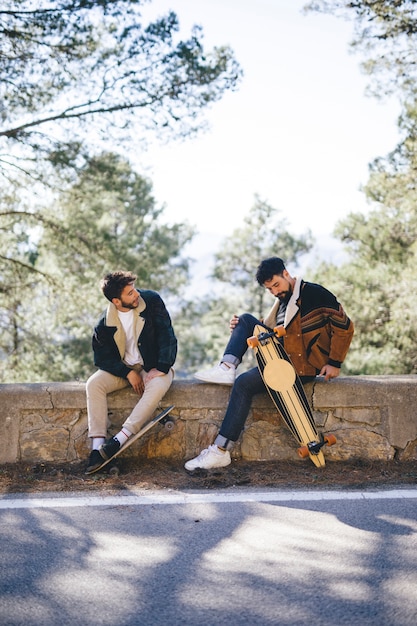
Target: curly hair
[113, 284]
[269, 268]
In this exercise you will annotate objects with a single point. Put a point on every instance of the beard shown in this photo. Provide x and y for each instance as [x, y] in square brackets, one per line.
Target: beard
[129, 305]
[284, 296]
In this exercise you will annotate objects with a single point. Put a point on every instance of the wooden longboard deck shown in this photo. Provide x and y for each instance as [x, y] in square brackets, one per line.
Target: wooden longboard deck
[134, 438]
[287, 392]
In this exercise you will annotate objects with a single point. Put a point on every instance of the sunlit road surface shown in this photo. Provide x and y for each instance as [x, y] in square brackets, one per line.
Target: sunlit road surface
[235, 557]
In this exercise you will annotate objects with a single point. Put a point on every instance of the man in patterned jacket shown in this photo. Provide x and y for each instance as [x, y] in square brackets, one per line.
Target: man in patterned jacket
[318, 336]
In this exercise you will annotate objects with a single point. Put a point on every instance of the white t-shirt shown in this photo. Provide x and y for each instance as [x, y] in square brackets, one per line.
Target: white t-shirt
[132, 355]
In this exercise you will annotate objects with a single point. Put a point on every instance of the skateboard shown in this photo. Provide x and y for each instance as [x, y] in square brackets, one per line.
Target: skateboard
[287, 393]
[161, 417]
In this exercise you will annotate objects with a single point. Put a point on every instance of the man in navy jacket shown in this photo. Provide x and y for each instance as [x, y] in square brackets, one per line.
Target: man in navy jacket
[134, 344]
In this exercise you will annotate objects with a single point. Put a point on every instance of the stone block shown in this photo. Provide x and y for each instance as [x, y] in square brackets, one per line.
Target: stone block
[358, 415]
[47, 444]
[359, 443]
[263, 441]
[67, 397]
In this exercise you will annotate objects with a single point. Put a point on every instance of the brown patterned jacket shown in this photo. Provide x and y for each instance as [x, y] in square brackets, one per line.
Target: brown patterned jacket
[318, 330]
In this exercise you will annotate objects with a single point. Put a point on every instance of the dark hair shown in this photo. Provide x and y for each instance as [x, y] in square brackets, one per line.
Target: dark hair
[113, 284]
[269, 268]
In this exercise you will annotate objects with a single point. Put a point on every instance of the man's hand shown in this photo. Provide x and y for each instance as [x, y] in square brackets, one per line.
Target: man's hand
[153, 373]
[234, 322]
[329, 372]
[136, 381]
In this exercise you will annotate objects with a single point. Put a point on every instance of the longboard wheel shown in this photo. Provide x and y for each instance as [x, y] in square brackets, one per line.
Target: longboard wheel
[330, 440]
[114, 471]
[303, 452]
[169, 425]
[280, 331]
[253, 342]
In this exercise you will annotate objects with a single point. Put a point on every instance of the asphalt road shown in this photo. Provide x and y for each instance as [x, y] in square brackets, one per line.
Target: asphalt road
[219, 557]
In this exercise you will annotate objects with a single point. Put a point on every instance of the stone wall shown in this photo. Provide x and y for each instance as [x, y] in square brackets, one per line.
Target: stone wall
[373, 417]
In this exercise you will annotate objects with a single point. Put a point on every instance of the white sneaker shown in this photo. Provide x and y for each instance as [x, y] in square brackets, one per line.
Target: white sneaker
[217, 374]
[208, 458]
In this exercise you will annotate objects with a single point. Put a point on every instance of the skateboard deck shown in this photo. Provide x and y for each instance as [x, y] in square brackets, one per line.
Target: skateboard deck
[287, 392]
[158, 418]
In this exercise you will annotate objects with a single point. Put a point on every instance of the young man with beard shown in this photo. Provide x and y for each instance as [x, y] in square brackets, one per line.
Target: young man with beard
[134, 344]
[318, 336]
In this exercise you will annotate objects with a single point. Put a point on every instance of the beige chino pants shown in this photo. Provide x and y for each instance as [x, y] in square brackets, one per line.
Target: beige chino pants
[101, 383]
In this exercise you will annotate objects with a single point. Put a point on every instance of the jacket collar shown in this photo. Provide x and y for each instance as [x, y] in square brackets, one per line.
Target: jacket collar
[112, 318]
[292, 306]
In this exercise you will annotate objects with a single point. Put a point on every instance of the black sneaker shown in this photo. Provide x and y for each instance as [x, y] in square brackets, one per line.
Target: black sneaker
[95, 460]
[109, 449]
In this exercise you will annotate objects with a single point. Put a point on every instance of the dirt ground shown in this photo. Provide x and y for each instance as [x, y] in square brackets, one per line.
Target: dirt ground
[160, 474]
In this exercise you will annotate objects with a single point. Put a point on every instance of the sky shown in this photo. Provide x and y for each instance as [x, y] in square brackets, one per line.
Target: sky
[299, 132]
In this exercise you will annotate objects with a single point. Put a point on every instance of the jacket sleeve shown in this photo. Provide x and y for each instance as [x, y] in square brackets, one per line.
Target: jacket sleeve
[327, 330]
[341, 336]
[106, 354]
[327, 318]
[157, 343]
[167, 342]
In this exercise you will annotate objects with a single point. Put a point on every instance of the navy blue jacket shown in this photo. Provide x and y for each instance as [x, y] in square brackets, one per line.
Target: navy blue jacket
[156, 339]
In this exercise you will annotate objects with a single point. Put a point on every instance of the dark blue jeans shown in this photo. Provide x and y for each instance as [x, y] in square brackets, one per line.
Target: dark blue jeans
[245, 386]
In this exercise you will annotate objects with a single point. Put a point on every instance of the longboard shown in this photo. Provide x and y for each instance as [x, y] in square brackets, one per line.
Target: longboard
[287, 393]
[169, 424]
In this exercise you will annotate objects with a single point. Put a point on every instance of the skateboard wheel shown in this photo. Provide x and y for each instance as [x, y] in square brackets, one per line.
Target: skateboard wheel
[280, 331]
[253, 342]
[114, 471]
[169, 425]
[303, 452]
[330, 440]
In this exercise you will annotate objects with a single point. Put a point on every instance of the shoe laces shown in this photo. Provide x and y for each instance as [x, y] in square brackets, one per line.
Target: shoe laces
[206, 451]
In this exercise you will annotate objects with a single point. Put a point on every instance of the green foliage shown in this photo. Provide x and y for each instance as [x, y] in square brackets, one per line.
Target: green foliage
[75, 77]
[74, 74]
[107, 220]
[203, 329]
[382, 272]
[262, 235]
[379, 300]
[384, 34]
[111, 218]
[378, 283]
[203, 325]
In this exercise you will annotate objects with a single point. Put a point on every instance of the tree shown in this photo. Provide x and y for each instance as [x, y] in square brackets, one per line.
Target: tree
[379, 298]
[384, 32]
[262, 235]
[109, 220]
[379, 276]
[79, 75]
[385, 35]
[74, 73]
[204, 323]
[201, 328]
